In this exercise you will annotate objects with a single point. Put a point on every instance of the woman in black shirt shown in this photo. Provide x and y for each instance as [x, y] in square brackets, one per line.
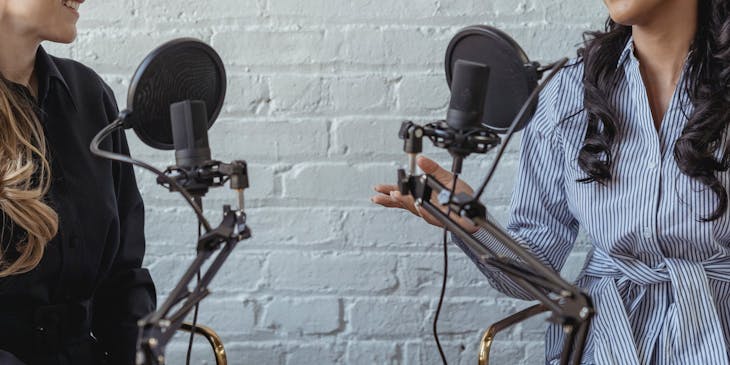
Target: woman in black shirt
[72, 237]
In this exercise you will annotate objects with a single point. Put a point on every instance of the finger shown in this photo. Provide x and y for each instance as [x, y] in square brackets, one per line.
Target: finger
[406, 201]
[386, 201]
[430, 167]
[384, 188]
[395, 199]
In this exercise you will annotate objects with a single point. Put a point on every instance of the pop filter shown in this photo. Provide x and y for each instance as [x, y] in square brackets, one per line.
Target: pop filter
[512, 76]
[179, 70]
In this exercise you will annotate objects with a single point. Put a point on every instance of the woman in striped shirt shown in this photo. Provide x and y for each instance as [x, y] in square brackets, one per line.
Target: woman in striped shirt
[629, 142]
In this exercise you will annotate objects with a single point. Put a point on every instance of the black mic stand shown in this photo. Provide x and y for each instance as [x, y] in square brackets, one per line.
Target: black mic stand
[158, 328]
[570, 307]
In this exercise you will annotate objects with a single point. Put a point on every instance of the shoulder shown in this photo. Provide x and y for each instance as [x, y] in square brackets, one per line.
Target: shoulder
[85, 85]
[82, 81]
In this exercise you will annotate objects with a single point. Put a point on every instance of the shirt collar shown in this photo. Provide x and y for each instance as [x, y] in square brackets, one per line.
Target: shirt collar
[47, 72]
[628, 52]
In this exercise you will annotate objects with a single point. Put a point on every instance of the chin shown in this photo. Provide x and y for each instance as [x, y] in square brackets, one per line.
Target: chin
[631, 12]
[624, 20]
[64, 36]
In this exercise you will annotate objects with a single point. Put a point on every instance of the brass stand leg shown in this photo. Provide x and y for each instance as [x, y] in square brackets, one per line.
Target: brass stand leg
[213, 339]
[485, 345]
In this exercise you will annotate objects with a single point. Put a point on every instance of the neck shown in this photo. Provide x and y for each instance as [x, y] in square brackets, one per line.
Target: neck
[18, 53]
[663, 42]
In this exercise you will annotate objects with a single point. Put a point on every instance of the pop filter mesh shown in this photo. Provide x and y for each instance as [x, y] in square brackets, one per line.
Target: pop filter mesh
[183, 69]
[510, 81]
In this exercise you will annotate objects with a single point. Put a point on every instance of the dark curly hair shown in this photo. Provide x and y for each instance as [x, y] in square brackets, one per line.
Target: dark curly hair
[707, 84]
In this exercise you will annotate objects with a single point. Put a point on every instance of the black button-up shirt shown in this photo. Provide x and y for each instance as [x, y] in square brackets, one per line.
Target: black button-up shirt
[86, 295]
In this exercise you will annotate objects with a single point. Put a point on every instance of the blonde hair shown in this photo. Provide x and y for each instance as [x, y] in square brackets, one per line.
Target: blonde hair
[24, 181]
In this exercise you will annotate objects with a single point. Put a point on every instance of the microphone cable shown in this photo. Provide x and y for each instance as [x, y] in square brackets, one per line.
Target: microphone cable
[195, 313]
[193, 202]
[446, 273]
[519, 120]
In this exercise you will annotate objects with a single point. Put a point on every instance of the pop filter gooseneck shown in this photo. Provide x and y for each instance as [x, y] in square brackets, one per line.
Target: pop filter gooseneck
[179, 70]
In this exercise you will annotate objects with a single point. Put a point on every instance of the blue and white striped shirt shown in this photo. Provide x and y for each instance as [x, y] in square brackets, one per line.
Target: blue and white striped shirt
[659, 277]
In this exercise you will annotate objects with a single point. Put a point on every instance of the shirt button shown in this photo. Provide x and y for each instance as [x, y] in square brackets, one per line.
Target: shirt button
[652, 165]
[647, 232]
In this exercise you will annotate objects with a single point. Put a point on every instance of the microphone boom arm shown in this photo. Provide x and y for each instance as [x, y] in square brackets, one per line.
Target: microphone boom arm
[158, 328]
[570, 306]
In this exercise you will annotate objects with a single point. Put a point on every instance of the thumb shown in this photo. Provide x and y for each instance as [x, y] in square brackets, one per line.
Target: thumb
[430, 167]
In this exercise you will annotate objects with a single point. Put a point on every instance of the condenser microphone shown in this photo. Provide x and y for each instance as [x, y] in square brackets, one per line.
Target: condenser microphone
[189, 121]
[468, 92]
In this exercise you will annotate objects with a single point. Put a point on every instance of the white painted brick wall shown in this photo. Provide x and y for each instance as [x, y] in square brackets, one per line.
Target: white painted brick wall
[317, 91]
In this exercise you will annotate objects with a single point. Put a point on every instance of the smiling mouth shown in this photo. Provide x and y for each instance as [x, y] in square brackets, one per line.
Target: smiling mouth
[72, 4]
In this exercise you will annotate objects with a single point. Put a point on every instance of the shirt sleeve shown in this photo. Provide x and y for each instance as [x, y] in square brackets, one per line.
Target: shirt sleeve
[540, 219]
[127, 294]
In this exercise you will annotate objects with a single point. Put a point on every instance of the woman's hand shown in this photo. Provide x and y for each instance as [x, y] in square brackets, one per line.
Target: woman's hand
[390, 197]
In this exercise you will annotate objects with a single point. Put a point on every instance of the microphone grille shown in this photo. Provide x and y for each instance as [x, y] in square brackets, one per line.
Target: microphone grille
[468, 93]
